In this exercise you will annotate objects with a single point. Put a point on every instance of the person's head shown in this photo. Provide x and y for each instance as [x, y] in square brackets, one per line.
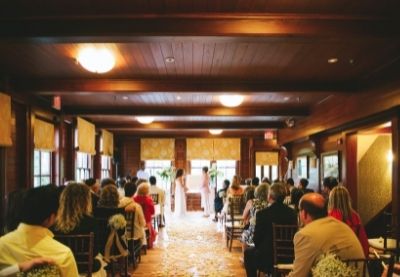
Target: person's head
[140, 181]
[247, 182]
[130, 189]
[142, 165]
[295, 196]
[205, 169]
[179, 173]
[75, 202]
[14, 209]
[255, 181]
[92, 184]
[134, 179]
[312, 206]
[40, 206]
[153, 180]
[249, 194]
[339, 199]
[303, 183]
[107, 181]
[226, 184]
[329, 183]
[290, 182]
[109, 197]
[261, 192]
[143, 189]
[235, 182]
[266, 180]
[277, 193]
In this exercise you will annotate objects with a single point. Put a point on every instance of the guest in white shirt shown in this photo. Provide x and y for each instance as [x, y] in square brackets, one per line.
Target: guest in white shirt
[142, 174]
[154, 189]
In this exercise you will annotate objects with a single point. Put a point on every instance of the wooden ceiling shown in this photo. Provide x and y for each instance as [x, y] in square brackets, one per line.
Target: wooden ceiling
[275, 53]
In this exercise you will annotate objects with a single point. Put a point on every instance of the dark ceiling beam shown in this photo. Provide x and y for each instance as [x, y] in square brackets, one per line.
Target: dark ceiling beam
[189, 111]
[191, 125]
[187, 133]
[106, 28]
[120, 86]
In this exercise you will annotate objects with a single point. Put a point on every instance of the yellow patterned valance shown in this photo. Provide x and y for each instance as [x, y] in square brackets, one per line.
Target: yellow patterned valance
[157, 149]
[200, 149]
[5, 120]
[86, 136]
[43, 135]
[227, 149]
[107, 146]
[266, 158]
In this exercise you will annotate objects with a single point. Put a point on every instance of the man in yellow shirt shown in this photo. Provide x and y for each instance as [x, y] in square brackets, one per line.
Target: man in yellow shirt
[32, 238]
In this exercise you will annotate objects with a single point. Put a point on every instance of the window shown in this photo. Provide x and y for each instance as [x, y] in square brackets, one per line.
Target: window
[197, 166]
[42, 168]
[227, 169]
[105, 167]
[83, 166]
[302, 167]
[269, 171]
[155, 166]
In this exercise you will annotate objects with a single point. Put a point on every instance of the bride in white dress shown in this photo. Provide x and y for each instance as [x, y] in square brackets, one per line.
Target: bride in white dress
[180, 194]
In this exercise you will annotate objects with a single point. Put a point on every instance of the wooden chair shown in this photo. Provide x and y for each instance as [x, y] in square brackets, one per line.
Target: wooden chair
[283, 248]
[82, 248]
[157, 214]
[234, 220]
[134, 248]
[372, 266]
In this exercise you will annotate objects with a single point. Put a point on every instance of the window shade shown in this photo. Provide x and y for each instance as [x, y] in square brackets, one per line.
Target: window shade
[43, 135]
[107, 146]
[86, 136]
[227, 149]
[199, 149]
[157, 149]
[266, 158]
[5, 115]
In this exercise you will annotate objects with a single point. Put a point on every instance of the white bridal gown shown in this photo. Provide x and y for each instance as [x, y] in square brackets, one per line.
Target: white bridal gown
[180, 199]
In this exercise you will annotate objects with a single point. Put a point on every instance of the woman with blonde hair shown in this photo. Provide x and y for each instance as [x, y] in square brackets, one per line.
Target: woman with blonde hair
[74, 216]
[339, 207]
[235, 189]
[144, 200]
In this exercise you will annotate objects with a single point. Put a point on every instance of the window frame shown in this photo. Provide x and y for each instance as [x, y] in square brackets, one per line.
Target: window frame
[40, 175]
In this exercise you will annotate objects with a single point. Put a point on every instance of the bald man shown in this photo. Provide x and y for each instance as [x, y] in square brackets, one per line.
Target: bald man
[321, 234]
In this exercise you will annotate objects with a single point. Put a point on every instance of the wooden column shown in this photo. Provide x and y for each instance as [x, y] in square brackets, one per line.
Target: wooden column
[349, 159]
[97, 159]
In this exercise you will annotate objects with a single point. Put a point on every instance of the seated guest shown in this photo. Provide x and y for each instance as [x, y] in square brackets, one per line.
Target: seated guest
[295, 195]
[139, 222]
[339, 207]
[322, 234]
[107, 181]
[142, 197]
[328, 184]
[289, 186]
[33, 238]
[235, 189]
[25, 266]
[94, 191]
[260, 256]
[13, 211]
[259, 203]
[219, 199]
[255, 181]
[303, 186]
[74, 216]
[154, 189]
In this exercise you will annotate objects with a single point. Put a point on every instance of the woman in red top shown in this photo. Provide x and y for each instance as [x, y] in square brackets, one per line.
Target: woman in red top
[142, 197]
[339, 207]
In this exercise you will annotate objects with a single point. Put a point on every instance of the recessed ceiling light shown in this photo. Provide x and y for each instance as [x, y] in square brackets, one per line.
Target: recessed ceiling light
[286, 98]
[125, 97]
[145, 119]
[231, 100]
[169, 59]
[332, 60]
[96, 60]
[178, 98]
[215, 131]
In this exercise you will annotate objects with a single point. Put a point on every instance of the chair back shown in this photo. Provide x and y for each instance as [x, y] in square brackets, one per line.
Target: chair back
[154, 196]
[235, 206]
[372, 266]
[130, 222]
[102, 215]
[282, 238]
[82, 248]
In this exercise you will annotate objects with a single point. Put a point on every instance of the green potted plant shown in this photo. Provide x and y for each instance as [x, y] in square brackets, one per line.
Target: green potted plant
[214, 173]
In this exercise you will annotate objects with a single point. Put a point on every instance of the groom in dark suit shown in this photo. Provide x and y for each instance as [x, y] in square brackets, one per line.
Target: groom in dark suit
[260, 256]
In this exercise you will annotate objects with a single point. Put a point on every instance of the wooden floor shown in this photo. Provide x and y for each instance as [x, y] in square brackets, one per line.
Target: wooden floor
[193, 246]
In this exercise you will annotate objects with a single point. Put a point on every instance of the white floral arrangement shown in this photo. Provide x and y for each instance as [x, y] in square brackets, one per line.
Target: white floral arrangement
[40, 271]
[117, 222]
[329, 265]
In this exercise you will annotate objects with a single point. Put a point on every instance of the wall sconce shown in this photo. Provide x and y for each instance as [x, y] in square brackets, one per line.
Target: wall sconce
[290, 122]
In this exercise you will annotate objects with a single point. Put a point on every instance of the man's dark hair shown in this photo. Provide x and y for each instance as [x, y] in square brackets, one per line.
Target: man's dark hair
[205, 169]
[277, 192]
[107, 181]
[153, 180]
[295, 196]
[290, 182]
[266, 180]
[130, 189]
[330, 182]
[226, 183]
[304, 182]
[255, 181]
[38, 204]
[90, 182]
[312, 209]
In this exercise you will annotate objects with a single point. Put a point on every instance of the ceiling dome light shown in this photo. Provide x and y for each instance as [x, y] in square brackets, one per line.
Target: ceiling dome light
[231, 100]
[96, 60]
[145, 119]
[215, 131]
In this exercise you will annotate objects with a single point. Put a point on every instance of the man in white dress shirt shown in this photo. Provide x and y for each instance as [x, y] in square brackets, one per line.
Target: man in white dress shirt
[142, 174]
[154, 189]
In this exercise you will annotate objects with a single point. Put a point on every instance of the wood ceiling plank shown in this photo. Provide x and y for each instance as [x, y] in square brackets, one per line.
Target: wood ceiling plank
[167, 52]
[218, 57]
[158, 58]
[198, 52]
[187, 46]
[177, 50]
[207, 59]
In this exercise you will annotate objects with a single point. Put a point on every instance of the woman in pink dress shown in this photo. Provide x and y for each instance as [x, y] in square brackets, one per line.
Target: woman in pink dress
[339, 207]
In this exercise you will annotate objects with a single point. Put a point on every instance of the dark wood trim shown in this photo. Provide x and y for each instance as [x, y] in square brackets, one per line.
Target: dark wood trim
[350, 176]
[97, 158]
[189, 85]
[187, 134]
[2, 188]
[104, 28]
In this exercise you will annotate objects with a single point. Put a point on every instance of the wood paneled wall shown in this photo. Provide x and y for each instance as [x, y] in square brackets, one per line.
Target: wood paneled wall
[129, 156]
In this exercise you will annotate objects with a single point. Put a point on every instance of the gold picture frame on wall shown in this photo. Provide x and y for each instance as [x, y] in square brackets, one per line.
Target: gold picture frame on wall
[330, 164]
